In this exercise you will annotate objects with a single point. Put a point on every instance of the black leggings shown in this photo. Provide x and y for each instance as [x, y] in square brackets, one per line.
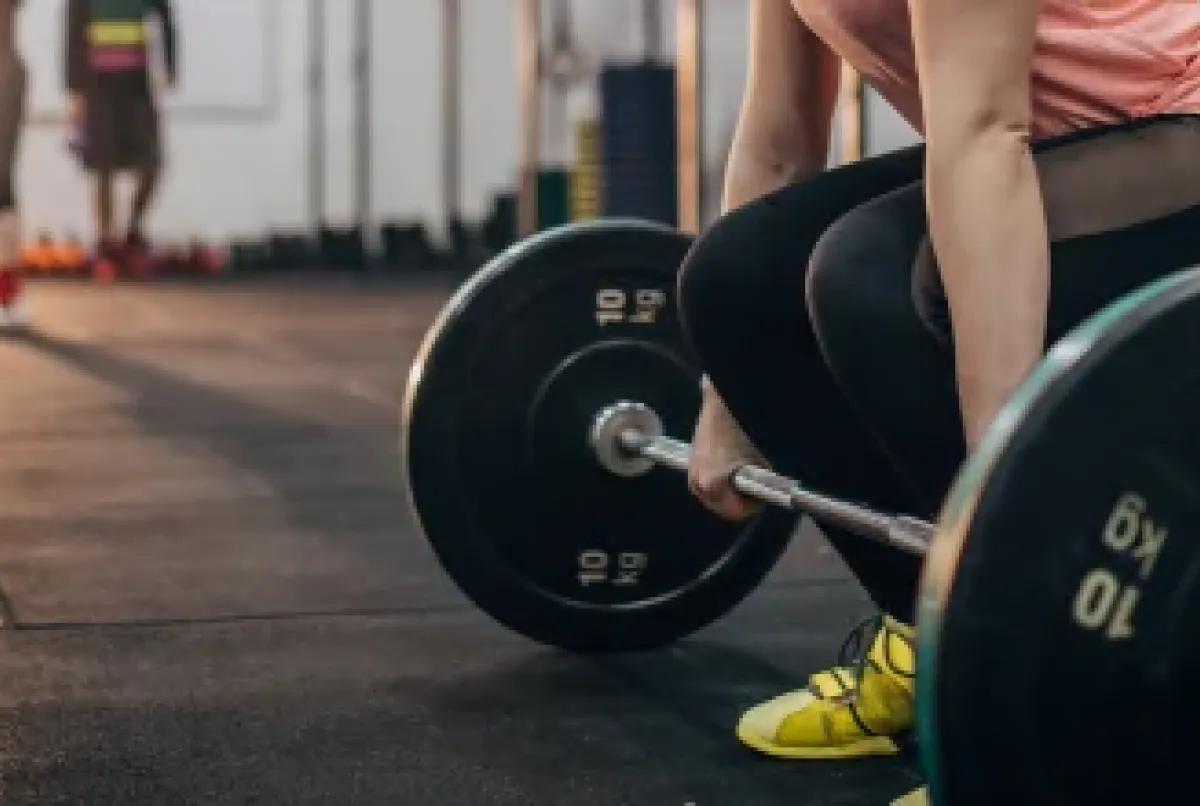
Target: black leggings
[817, 312]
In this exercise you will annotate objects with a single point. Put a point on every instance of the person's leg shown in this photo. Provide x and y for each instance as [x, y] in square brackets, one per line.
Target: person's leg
[139, 153]
[104, 205]
[12, 117]
[1122, 209]
[101, 158]
[107, 259]
[145, 185]
[146, 155]
[813, 431]
[741, 295]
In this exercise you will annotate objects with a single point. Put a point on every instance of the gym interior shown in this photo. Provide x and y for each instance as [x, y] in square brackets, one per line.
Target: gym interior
[220, 578]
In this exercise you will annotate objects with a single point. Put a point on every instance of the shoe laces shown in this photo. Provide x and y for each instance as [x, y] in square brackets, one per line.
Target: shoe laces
[855, 655]
[855, 652]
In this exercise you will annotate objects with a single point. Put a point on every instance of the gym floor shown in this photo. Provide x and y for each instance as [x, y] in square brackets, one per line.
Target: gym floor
[222, 598]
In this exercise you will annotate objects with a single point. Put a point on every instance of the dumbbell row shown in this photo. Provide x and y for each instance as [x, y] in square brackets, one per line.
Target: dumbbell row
[628, 440]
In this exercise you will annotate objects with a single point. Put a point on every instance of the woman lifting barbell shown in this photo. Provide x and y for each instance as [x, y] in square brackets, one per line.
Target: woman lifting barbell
[1060, 169]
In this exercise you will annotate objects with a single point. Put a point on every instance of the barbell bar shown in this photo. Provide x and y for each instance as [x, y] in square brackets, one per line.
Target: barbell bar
[627, 438]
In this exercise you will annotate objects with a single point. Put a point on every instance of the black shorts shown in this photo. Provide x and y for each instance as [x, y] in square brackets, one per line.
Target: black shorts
[121, 128]
[818, 312]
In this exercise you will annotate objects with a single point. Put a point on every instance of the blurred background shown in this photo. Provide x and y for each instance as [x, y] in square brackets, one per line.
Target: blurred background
[388, 123]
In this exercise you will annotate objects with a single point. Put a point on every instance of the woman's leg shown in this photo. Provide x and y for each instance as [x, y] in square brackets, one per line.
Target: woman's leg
[1122, 208]
[741, 295]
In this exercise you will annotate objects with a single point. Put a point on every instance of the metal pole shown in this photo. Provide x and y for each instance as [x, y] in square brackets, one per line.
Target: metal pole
[851, 91]
[451, 110]
[316, 113]
[689, 99]
[363, 119]
[529, 68]
[652, 29]
[561, 24]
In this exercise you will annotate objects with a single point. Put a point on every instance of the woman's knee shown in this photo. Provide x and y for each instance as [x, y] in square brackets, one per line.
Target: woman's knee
[842, 286]
[859, 279]
[710, 266]
[878, 347]
[727, 278]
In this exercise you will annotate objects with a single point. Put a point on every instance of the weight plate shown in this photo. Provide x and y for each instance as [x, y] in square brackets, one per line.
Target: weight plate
[500, 403]
[1057, 660]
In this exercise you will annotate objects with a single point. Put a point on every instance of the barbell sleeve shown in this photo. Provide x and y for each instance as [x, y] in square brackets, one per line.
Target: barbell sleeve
[910, 535]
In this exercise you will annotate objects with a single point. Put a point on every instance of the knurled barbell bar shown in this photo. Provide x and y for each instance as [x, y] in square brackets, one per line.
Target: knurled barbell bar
[628, 440]
[1058, 649]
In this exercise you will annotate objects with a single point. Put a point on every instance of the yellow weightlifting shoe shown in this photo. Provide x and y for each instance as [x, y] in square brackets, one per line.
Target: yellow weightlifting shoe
[854, 710]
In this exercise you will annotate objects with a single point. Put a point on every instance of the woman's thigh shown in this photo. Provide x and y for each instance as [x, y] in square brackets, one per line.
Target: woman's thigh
[741, 293]
[1122, 209]
[742, 299]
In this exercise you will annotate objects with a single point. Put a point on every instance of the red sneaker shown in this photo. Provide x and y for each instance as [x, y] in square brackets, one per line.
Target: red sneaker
[12, 294]
[106, 263]
[205, 259]
[105, 270]
[138, 257]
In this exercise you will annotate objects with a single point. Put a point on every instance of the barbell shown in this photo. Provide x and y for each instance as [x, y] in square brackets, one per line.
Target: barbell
[627, 438]
[1057, 642]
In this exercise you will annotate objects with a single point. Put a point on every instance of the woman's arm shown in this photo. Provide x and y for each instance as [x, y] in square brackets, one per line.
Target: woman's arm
[782, 136]
[986, 218]
[787, 106]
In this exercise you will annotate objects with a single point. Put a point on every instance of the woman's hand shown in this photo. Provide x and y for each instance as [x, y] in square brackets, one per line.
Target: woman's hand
[719, 448]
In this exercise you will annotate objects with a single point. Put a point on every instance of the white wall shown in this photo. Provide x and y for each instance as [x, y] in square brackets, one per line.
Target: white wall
[229, 177]
[240, 175]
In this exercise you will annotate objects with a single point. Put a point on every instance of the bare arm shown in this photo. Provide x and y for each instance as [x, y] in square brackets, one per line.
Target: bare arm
[787, 106]
[782, 136]
[986, 217]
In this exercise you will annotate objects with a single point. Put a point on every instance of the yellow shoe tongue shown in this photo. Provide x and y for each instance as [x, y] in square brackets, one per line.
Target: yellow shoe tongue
[899, 628]
[893, 650]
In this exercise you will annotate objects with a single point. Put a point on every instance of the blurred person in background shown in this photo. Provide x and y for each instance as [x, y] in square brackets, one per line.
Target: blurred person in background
[12, 114]
[113, 113]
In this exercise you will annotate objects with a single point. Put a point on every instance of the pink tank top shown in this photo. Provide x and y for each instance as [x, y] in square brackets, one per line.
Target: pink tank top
[1095, 62]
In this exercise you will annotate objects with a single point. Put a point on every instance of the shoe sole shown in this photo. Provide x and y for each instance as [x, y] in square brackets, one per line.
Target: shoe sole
[918, 797]
[872, 747]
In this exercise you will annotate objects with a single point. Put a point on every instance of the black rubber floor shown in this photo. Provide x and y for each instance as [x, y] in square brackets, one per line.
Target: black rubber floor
[221, 597]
